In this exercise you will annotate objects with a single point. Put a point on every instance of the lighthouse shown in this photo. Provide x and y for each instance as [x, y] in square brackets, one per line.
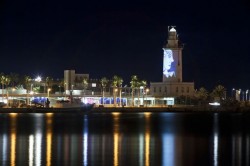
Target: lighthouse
[172, 84]
[172, 58]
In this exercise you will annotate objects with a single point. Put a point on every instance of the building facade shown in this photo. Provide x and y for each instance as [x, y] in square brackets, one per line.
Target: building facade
[172, 84]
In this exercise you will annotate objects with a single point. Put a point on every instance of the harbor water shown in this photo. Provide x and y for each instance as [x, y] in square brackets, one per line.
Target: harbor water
[135, 139]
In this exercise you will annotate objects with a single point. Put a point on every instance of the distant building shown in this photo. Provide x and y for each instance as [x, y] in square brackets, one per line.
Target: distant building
[172, 84]
[73, 80]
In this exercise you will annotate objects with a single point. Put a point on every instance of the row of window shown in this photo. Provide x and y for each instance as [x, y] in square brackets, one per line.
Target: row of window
[177, 90]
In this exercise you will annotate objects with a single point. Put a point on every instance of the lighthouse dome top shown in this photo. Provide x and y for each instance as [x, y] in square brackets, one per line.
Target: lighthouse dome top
[172, 30]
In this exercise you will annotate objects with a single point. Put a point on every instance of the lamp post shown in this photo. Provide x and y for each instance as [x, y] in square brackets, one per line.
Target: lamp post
[246, 94]
[48, 92]
[233, 96]
[115, 96]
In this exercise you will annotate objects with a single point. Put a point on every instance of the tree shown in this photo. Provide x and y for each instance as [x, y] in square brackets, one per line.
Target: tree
[5, 80]
[2, 78]
[133, 85]
[143, 84]
[49, 81]
[119, 85]
[114, 86]
[27, 82]
[104, 82]
[85, 85]
[202, 94]
[219, 91]
[14, 78]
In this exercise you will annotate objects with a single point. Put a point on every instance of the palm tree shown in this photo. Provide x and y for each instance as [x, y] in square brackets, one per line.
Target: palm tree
[2, 80]
[202, 94]
[61, 84]
[27, 81]
[85, 85]
[119, 84]
[143, 84]
[104, 82]
[14, 77]
[133, 84]
[114, 85]
[219, 91]
[48, 81]
[7, 82]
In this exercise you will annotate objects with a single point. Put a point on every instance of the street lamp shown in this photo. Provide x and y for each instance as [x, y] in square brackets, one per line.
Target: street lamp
[233, 93]
[48, 91]
[115, 96]
[246, 94]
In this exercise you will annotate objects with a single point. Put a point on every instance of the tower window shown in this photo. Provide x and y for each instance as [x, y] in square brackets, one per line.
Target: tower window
[182, 89]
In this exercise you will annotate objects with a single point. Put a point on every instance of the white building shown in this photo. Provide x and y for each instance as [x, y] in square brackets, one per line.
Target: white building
[172, 84]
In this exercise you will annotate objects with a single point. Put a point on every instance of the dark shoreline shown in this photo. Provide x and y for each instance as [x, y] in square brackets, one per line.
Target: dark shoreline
[122, 110]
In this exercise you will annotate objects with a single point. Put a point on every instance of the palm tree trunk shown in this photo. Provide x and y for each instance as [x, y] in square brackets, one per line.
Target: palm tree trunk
[103, 91]
[132, 95]
[138, 94]
[120, 97]
[2, 92]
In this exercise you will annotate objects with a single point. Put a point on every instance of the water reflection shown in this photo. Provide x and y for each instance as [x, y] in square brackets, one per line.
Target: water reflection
[142, 139]
[116, 138]
[35, 141]
[168, 138]
[85, 140]
[147, 139]
[49, 132]
[215, 140]
[13, 118]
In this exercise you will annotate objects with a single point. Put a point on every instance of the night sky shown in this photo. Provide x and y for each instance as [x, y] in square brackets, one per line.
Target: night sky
[106, 38]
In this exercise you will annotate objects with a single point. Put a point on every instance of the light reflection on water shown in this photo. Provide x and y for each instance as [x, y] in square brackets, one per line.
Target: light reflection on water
[142, 139]
[216, 143]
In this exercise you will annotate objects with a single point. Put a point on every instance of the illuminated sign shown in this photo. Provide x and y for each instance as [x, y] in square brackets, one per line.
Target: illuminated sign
[169, 63]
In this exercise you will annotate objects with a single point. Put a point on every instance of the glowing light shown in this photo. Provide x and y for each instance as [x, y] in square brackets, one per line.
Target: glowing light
[147, 114]
[168, 149]
[172, 30]
[38, 79]
[31, 150]
[13, 141]
[116, 159]
[141, 149]
[38, 148]
[147, 140]
[169, 64]
[4, 147]
[216, 144]
[116, 141]
[49, 139]
[116, 113]
[85, 141]
[147, 148]
[214, 103]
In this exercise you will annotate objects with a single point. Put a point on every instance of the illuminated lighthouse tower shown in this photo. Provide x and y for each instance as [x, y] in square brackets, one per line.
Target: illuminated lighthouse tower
[172, 84]
[172, 58]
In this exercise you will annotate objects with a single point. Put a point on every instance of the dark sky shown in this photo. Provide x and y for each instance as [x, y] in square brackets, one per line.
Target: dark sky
[106, 38]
